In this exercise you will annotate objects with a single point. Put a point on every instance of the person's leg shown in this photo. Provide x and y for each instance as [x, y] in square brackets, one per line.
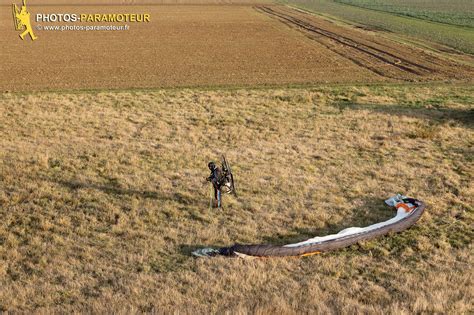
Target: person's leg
[216, 197]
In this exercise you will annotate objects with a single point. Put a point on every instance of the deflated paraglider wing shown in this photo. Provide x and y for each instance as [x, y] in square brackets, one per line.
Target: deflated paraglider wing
[409, 210]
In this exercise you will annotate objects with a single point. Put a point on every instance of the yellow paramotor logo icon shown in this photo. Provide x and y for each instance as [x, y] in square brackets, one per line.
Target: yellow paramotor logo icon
[21, 18]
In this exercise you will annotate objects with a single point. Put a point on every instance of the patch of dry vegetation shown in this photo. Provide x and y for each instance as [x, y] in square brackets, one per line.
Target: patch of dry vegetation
[102, 198]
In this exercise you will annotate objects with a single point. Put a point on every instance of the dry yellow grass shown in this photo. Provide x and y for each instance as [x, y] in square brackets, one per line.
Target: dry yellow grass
[102, 199]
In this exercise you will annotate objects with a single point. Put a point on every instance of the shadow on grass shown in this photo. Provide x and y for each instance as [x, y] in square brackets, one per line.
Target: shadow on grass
[114, 189]
[107, 188]
[187, 249]
[436, 114]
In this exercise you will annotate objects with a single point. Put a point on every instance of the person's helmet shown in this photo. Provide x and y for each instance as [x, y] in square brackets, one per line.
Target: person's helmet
[211, 165]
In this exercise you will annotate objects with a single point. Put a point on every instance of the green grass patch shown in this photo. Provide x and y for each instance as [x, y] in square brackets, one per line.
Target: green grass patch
[376, 16]
[457, 12]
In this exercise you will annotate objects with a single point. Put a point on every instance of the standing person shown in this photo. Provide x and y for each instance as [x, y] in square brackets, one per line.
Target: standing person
[217, 179]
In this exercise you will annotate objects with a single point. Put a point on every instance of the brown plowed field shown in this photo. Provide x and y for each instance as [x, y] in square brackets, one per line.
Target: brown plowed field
[208, 45]
[135, 2]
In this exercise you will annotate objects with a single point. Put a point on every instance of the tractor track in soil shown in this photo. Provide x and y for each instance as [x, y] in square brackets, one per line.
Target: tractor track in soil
[363, 54]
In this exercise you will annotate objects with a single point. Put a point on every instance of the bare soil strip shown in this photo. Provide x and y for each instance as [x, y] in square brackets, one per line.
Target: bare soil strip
[380, 56]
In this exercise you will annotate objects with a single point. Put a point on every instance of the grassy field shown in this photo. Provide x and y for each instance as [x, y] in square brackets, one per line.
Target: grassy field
[102, 172]
[458, 12]
[103, 198]
[457, 37]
